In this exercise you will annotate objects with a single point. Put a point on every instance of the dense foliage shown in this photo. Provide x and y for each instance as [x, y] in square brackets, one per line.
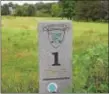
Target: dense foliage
[71, 9]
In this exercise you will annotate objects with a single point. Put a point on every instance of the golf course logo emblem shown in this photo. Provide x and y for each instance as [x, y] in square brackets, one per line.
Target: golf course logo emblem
[56, 33]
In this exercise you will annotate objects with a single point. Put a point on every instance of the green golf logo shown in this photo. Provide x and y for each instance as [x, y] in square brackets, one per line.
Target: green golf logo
[52, 87]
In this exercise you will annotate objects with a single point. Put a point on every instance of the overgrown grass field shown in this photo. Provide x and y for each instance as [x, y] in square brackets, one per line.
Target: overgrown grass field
[20, 71]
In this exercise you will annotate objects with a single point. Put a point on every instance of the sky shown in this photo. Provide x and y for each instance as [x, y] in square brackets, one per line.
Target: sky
[29, 2]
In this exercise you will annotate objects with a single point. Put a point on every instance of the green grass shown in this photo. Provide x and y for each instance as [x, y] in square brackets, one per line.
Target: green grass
[20, 55]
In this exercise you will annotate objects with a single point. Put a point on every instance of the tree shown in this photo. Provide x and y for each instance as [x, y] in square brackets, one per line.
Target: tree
[104, 10]
[91, 10]
[25, 9]
[43, 9]
[83, 10]
[11, 4]
[5, 9]
[31, 10]
[18, 11]
[68, 8]
[56, 10]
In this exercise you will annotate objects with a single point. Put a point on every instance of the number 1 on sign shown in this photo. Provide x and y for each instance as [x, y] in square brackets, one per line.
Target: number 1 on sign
[56, 60]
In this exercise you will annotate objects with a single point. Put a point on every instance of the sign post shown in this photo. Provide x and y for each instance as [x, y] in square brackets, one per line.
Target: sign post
[55, 57]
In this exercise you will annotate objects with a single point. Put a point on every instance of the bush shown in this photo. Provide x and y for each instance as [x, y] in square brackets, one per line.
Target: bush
[91, 70]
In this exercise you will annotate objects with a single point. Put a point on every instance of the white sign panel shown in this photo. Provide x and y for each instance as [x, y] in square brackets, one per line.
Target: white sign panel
[55, 54]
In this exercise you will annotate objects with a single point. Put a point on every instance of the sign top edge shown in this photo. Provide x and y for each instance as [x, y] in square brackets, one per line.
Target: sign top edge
[56, 21]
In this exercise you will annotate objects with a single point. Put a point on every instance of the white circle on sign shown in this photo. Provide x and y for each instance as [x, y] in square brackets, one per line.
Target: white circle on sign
[52, 87]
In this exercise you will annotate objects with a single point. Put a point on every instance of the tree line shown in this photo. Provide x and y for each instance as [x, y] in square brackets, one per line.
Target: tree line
[71, 9]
